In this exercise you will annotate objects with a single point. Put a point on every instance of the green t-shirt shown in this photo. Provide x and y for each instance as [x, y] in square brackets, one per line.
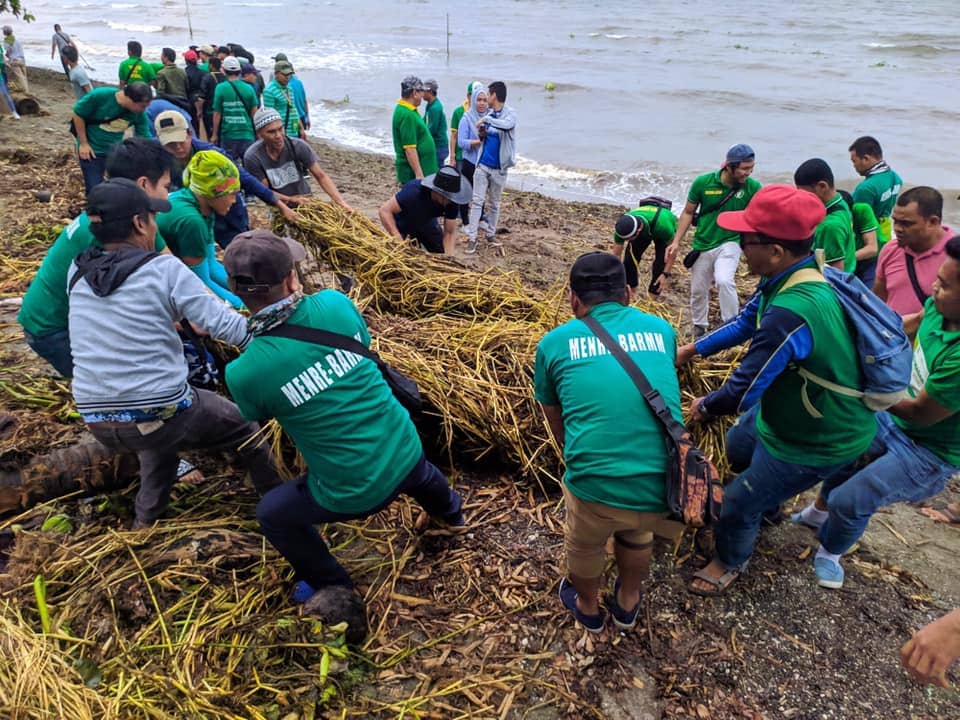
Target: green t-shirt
[100, 105]
[234, 100]
[136, 70]
[184, 227]
[358, 441]
[707, 191]
[785, 425]
[615, 449]
[44, 308]
[436, 120]
[864, 220]
[880, 191]
[458, 112]
[664, 229]
[409, 130]
[280, 98]
[834, 235]
[936, 368]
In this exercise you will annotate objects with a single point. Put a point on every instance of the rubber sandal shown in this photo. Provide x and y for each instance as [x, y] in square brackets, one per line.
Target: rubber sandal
[941, 513]
[568, 597]
[623, 619]
[721, 584]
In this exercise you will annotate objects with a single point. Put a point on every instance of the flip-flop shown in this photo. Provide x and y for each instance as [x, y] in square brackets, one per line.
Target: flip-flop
[941, 512]
[568, 596]
[721, 584]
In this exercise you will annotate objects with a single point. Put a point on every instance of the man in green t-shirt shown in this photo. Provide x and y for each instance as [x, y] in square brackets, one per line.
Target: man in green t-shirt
[135, 68]
[880, 186]
[917, 448]
[359, 443]
[279, 96]
[43, 313]
[234, 105]
[436, 120]
[865, 228]
[715, 255]
[100, 118]
[613, 445]
[793, 434]
[651, 222]
[834, 236]
[415, 154]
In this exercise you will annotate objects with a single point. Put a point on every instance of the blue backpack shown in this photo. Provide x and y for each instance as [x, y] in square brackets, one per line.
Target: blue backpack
[885, 353]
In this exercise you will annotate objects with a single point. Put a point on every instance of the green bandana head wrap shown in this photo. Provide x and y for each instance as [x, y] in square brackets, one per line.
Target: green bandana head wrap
[211, 175]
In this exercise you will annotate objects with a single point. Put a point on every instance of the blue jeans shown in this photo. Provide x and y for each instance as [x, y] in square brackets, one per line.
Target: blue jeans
[54, 348]
[93, 171]
[867, 271]
[236, 149]
[765, 484]
[287, 515]
[900, 470]
[741, 439]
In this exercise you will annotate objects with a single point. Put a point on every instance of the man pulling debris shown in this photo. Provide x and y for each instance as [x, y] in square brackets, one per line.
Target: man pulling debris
[359, 443]
[413, 212]
[130, 374]
[593, 405]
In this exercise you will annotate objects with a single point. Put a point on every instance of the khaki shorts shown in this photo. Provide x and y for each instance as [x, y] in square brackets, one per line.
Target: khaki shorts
[589, 525]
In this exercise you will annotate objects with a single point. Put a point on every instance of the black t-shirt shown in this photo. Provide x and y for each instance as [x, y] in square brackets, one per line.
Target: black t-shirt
[417, 208]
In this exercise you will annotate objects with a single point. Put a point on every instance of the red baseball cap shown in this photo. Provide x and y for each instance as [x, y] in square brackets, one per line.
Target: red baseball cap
[781, 212]
[190, 56]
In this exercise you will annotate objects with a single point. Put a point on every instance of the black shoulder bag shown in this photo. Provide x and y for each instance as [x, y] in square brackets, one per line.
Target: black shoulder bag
[691, 257]
[694, 488]
[404, 389]
[107, 121]
[912, 273]
[240, 98]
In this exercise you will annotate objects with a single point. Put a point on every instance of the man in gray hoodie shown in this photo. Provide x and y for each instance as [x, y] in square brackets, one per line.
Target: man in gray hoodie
[130, 374]
[498, 153]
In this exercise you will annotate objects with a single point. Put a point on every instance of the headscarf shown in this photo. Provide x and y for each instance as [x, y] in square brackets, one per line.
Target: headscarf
[473, 115]
[211, 175]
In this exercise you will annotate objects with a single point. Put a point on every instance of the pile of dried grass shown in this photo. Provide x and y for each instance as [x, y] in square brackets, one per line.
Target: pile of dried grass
[189, 619]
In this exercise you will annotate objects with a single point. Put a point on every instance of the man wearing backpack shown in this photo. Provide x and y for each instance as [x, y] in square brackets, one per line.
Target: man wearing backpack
[651, 222]
[795, 433]
[917, 448]
[716, 253]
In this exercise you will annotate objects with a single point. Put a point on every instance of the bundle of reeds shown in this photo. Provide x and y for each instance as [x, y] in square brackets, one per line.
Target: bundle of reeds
[188, 620]
[405, 281]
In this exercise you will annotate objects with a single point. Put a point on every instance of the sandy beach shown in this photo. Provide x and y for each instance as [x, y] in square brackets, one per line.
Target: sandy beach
[776, 647]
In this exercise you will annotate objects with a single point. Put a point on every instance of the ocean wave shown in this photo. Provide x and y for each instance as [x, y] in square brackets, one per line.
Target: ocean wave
[917, 48]
[345, 57]
[124, 6]
[133, 27]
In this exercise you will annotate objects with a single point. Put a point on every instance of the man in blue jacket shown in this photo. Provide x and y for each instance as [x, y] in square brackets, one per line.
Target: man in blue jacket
[176, 137]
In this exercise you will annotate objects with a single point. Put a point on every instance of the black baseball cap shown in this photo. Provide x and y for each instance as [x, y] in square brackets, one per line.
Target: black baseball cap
[120, 198]
[597, 272]
[258, 260]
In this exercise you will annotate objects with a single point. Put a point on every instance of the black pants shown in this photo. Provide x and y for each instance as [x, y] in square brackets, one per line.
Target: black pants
[467, 169]
[429, 235]
[288, 516]
[632, 254]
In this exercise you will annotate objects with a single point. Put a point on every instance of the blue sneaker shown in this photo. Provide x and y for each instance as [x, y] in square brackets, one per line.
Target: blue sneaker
[623, 619]
[568, 596]
[797, 518]
[302, 592]
[829, 573]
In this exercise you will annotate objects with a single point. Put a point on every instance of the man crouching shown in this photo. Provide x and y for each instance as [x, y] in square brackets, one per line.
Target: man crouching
[359, 443]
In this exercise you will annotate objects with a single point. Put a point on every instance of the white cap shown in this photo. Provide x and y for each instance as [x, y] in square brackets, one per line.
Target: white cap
[231, 65]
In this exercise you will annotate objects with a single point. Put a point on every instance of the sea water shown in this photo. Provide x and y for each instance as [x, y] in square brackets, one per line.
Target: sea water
[615, 100]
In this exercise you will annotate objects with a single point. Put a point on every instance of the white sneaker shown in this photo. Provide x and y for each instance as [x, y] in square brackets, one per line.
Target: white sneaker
[16, 115]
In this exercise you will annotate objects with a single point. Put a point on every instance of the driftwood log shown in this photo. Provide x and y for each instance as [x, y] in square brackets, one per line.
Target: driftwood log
[87, 466]
[26, 104]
